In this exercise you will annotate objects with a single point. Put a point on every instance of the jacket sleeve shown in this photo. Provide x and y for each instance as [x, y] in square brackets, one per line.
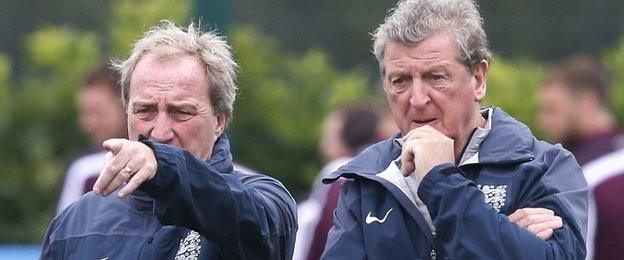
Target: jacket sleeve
[468, 228]
[248, 216]
[47, 251]
[345, 237]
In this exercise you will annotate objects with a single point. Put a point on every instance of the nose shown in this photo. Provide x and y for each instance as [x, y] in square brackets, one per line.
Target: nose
[162, 131]
[419, 94]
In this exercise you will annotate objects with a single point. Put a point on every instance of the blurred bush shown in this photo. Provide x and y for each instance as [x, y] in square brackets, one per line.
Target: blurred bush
[5, 100]
[512, 85]
[38, 129]
[41, 131]
[282, 101]
[130, 20]
[614, 61]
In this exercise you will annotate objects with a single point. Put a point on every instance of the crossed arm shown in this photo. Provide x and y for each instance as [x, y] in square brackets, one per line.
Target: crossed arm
[425, 147]
[539, 221]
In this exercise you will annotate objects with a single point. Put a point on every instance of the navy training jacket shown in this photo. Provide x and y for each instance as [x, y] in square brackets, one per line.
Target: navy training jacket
[191, 209]
[468, 205]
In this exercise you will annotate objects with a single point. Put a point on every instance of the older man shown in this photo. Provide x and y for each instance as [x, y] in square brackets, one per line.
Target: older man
[176, 195]
[459, 181]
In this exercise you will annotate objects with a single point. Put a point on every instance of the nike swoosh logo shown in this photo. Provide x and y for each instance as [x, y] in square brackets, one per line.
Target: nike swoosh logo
[371, 219]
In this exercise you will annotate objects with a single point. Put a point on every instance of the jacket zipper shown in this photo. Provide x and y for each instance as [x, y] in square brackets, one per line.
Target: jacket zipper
[433, 253]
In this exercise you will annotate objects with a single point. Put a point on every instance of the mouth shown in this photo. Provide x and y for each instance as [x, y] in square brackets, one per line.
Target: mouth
[423, 121]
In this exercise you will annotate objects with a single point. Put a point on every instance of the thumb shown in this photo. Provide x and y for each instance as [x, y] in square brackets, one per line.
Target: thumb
[114, 145]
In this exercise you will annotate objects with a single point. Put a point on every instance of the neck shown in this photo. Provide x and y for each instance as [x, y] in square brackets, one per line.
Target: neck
[478, 121]
[596, 122]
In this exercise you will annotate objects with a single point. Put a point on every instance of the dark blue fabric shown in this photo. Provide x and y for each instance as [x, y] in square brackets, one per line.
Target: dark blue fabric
[536, 174]
[239, 216]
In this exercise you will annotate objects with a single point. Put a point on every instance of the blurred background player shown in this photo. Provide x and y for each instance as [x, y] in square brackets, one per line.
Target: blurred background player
[605, 235]
[101, 117]
[575, 109]
[345, 132]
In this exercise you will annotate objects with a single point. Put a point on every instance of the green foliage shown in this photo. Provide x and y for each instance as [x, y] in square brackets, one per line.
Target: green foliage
[513, 85]
[38, 129]
[42, 132]
[50, 47]
[282, 101]
[132, 18]
[5, 100]
[614, 61]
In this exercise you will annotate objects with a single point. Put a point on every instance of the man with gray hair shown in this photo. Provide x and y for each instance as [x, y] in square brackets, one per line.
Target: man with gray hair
[459, 181]
[175, 193]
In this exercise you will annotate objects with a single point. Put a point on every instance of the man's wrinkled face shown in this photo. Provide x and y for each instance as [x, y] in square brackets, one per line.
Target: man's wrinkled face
[557, 108]
[169, 103]
[426, 84]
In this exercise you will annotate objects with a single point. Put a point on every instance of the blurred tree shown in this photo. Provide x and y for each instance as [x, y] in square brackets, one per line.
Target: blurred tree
[19, 18]
[42, 132]
[130, 19]
[5, 100]
[512, 85]
[614, 61]
[38, 122]
[282, 101]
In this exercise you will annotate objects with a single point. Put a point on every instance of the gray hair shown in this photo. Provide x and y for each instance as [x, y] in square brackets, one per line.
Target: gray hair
[166, 39]
[412, 21]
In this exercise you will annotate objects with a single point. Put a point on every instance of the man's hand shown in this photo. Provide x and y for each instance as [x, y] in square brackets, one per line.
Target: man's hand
[424, 148]
[539, 221]
[126, 161]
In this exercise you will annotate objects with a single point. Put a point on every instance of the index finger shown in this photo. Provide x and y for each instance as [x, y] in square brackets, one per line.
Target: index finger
[114, 145]
[113, 165]
[538, 211]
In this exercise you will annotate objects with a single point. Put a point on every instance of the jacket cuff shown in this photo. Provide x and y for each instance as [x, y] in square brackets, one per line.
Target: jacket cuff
[161, 180]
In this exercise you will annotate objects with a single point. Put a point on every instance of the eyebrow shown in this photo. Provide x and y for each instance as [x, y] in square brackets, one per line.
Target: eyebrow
[179, 104]
[396, 73]
[183, 105]
[442, 66]
[142, 103]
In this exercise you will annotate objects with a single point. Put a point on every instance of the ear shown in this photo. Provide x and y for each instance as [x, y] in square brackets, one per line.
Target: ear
[221, 123]
[480, 77]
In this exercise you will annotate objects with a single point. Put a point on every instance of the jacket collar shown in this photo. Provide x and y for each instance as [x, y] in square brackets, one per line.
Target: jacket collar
[509, 141]
[221, 160]
[371, 161]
